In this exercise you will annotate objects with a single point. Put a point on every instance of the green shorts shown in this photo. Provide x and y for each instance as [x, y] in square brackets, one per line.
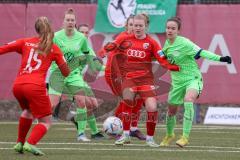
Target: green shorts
[71, 86]
[177, 92]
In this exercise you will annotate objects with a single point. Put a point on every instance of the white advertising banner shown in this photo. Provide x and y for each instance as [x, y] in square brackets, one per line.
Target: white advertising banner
[222, 115]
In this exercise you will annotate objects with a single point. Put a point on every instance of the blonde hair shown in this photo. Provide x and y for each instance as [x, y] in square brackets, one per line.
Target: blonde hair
[144, 17]
[69, 11]
[82, 25]
[46, 34]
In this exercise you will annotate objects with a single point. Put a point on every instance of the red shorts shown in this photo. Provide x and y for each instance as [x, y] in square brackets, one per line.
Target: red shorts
[144, 87]
[33, 97]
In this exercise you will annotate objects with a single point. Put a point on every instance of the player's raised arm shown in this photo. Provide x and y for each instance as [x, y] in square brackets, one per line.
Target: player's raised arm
[14, 46]
[212, 56]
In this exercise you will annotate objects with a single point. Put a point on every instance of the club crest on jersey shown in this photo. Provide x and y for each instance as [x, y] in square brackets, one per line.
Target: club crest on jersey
[145, 45]
[176, 53]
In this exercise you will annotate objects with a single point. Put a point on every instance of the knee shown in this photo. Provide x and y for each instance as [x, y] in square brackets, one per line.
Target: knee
[172, 111]
[189, 99]
[80, 103]
[27, 114]
[151, 104]
[46, 121]
[128, 102]
[89, 110]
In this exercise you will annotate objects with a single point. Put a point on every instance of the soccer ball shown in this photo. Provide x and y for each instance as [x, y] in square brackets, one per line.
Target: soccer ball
[113, 126]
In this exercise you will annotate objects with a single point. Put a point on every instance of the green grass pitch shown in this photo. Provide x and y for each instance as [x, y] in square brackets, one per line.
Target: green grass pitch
[206, 143]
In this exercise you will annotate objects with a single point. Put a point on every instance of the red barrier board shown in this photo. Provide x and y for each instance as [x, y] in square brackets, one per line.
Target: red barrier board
[212, 27]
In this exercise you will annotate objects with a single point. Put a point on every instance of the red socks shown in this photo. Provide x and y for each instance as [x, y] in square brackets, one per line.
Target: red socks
[136, 112]
[152, 118]
[37, 133]
[126, 116]
[23, 128]
[119, 110]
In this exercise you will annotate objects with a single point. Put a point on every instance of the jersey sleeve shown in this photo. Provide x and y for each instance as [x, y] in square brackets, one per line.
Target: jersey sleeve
[58, 56]
[196, 52]
[193, 50]
[158, 54]
[60, 61]
[85, 47]
[14, 46]
[209, 55]
[94, 61]
[121, 38]
[111, 46]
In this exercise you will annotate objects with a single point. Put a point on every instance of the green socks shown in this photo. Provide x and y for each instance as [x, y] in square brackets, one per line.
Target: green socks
[170, 122]
[92, 124]
[188, 118]
[81, 119]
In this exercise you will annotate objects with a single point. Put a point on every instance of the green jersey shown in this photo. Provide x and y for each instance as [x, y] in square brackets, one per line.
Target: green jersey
[183, 53]
[72, 48]
[93, 62]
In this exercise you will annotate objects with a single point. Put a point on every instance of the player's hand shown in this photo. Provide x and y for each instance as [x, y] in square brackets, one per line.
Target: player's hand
[102, 53]
[124, 45]
[226, 59]
[110, 46]
[173, 67]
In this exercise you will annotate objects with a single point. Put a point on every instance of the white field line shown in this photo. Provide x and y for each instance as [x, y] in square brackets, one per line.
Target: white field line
[134, 149]
[134, 145]
[177, 128]
[143, 125]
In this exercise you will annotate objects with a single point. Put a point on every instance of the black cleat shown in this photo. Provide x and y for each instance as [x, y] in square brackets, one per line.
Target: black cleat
[97, 136]
[138, 134]
[74, 122]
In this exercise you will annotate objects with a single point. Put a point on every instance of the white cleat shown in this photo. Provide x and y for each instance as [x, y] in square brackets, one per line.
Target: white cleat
[82, 137]
[150, 142]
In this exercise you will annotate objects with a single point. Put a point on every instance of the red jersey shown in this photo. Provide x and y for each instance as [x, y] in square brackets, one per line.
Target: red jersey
[122, 34]
[140, 55]
[34, 66]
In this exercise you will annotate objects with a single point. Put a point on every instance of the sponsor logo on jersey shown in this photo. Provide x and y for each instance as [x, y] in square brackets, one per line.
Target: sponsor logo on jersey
[136, 53]
[145, 45]
[30, 44]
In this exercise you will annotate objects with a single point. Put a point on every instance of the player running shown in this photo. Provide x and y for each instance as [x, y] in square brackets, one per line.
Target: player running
[134, 130]
[30, 88]
[137, 76]
[187, 84]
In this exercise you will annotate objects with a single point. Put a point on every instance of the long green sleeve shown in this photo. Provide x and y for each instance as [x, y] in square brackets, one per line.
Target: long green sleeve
[94, 64]
[209, 55]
